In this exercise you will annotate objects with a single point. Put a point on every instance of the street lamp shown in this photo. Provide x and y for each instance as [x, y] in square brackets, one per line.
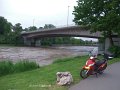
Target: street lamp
[33, 21]
[68, 16]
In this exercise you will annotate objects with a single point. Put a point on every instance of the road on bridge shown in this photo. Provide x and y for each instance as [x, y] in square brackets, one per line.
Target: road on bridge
[110, 80]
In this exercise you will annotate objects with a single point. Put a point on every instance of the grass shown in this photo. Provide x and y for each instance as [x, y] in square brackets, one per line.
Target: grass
[7, 67]
[45, 77]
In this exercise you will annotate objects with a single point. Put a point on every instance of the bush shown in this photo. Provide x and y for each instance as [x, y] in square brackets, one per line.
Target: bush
[7, 67]
[115, 50]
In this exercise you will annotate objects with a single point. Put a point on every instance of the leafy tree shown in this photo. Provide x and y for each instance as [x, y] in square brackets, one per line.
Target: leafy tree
[32, 28]
[40, 28]
[99, 15]
[17, 28]
[5, 31]
[26, 29]
[48, 26]
[5, 26]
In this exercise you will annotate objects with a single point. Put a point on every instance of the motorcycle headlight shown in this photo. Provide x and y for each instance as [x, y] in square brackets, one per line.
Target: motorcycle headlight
[87, 67]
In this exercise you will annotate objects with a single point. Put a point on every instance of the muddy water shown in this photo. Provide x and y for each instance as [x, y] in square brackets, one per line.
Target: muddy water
[43, 56]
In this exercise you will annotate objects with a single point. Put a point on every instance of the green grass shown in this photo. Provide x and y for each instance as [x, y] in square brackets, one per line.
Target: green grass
[45, 77]
[7, 67]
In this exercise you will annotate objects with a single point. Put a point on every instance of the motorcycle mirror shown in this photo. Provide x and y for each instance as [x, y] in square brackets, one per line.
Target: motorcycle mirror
[110, 57]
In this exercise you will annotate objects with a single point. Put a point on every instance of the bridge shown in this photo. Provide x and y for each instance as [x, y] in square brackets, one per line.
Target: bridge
[72, 31]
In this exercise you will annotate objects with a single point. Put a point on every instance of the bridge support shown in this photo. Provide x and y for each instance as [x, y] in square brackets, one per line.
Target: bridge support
[32, 42]
[38, 42]
[27, 41]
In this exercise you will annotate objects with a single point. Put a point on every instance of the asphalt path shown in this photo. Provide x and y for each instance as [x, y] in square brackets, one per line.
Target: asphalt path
[109, 80]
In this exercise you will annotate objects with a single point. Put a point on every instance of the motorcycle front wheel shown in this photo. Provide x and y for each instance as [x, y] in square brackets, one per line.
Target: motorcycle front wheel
[84, 73]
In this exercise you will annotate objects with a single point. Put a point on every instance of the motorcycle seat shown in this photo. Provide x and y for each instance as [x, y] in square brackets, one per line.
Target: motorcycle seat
[98, 63]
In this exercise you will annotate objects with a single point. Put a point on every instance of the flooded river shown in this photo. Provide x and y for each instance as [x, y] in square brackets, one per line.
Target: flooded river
[43, 56]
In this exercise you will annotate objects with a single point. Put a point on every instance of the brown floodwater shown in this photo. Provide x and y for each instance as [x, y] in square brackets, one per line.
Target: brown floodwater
[43, 56]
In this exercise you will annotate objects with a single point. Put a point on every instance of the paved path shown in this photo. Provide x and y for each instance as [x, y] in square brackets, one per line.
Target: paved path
[110, 80]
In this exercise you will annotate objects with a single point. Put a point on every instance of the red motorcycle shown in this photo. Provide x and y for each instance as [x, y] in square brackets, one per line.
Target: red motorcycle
[94, 67]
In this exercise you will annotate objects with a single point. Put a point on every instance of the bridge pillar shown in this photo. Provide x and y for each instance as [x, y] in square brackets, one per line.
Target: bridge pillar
[31, 42]
[27, 41]
[38, 42]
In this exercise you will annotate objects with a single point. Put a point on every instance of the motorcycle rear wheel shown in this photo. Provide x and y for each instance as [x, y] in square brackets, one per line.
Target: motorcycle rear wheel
[84, 73]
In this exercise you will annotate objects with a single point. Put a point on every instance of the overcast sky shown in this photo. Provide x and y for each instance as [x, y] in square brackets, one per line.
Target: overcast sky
[40, 11]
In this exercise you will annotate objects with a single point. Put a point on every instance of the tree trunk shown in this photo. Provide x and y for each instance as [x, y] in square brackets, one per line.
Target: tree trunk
[111, 41]
[110, 38]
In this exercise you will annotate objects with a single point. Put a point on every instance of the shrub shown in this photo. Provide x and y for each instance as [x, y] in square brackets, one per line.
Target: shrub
[115, 50]
[7, 67]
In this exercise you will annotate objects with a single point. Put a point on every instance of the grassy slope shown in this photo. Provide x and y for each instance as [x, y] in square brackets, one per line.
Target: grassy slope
[37, 79]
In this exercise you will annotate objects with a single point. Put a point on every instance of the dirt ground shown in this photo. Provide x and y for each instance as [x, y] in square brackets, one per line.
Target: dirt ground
[43, 56]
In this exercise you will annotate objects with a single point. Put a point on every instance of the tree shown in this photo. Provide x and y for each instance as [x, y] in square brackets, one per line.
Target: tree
[48, 26]
[32, 28]
[26, 29]
[5, 31]
[40, 28]
[99, 15]
[5, 26]
[17, 28]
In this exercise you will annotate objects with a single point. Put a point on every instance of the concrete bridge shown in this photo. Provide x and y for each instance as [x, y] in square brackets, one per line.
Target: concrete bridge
[33, 37]
[74, 31]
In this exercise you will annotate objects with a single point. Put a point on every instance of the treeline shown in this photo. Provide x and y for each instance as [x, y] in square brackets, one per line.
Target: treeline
[10, 34]
[65, 41]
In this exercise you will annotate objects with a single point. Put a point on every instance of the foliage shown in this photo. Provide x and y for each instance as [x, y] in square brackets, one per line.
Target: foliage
[32, 28]
[17, 29]
[35, 79]
[48, 26]
[10, 34]
[99, 15]
[115, 50]
[65, 41]
[5, 26]
[7, 67]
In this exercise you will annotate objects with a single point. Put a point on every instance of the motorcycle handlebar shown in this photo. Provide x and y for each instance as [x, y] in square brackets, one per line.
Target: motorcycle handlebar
[107, 56]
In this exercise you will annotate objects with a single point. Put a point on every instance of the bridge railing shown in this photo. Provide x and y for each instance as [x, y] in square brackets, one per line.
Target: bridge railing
[57, 27]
